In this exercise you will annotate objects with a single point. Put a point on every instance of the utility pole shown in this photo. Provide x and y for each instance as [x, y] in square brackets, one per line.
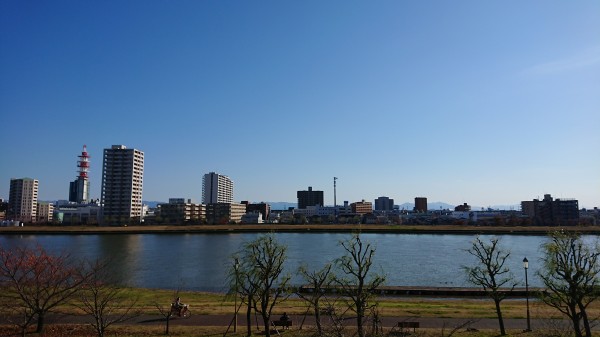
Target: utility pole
[335, 210]
[334, 193]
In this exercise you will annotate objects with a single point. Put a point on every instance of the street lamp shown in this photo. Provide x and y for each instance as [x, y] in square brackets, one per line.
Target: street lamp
[236, 266]
[526, 266]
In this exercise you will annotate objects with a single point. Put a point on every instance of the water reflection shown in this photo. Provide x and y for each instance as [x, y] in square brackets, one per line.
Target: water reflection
[202, 261]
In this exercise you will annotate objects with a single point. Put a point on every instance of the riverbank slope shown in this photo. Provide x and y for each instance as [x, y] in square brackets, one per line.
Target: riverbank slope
[306, 228]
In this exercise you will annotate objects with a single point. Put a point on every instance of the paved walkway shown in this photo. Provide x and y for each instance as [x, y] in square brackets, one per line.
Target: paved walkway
[298, 320]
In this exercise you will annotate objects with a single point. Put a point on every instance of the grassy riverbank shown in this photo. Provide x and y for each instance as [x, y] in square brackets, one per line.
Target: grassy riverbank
[203, 303]
[307, 228]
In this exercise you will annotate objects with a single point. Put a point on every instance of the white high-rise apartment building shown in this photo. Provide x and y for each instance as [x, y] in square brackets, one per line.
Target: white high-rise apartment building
[122, 182]
[216, 188]
[23, 199]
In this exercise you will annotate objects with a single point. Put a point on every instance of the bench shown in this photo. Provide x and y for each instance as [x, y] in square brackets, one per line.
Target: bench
[284, 324]
[404, 328]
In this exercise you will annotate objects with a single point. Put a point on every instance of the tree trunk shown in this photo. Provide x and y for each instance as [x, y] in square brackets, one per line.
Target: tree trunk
[318, 319]
[249, 318]
[267, 328]
[267, 325]
[266, 316]
[586, 322]
[575, 320]
[500, 319]
[576, 327]
[359, 320]
[167, 326]
[40, 322]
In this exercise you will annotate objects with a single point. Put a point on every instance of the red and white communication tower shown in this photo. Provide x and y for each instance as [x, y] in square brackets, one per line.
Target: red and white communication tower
[83, 164]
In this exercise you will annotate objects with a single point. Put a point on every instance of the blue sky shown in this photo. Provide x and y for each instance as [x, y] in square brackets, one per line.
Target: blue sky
[484, 102]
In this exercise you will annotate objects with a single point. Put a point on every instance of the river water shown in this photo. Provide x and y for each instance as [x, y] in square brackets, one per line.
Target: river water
[202, 261]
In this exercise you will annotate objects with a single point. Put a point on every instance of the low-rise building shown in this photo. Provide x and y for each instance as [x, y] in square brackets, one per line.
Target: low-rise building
[362, 207]
[3, 209]
[223, 213]
[45, 211]
[77, 214]
[384, 204]
[252, 217]
[463, 208]
[178, 211]
[263, 208]
[550, 211]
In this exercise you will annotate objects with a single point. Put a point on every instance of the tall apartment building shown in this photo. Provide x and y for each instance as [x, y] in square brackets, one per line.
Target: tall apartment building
[216, 188]
[309, 198]
[79, 189]
[122, 182]
[420, 205]
[23, 199]
[384, 204]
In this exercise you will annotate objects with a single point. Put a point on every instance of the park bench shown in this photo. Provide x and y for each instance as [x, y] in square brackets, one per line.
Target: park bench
[284, 324]
[403, 328]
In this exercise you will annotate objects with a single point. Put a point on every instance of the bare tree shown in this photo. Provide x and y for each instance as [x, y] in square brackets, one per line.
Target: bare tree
[166, 310]
[243, 285]
[37, 282]
[262, 263]
[570, 275]
[319, 281]
[356, 281]
[490, 273]
[101, 298]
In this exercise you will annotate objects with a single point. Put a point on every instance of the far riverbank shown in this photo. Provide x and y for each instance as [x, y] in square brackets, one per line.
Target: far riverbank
[307, 228]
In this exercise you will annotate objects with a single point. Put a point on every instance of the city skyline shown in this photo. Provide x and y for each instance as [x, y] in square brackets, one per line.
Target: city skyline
[484, 103]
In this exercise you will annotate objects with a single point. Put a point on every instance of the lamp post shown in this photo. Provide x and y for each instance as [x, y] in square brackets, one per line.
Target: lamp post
[236, 266]
[526, 266]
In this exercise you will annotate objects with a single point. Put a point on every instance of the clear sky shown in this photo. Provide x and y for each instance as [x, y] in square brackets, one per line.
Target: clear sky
[484, 102]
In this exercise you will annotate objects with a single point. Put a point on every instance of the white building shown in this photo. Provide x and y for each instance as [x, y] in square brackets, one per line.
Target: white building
[77, 214]
[23, 199]
[217, 188]
[122, 183]
[464, 215]
[45, 211]
[324, 210]
[253, 217]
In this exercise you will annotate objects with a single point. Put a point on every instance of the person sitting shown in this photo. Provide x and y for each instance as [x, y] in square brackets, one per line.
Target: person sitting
[284, 317]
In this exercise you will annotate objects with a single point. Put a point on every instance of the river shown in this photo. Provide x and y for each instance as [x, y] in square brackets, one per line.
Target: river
[201, 261]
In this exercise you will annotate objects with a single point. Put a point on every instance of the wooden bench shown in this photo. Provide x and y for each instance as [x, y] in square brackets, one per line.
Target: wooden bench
[404, 328]
[284, 324]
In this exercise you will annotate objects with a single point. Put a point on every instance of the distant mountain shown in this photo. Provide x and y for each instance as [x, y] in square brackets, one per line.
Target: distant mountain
[152, 204]
[432, 206]
[497, 207]
[281, 205]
